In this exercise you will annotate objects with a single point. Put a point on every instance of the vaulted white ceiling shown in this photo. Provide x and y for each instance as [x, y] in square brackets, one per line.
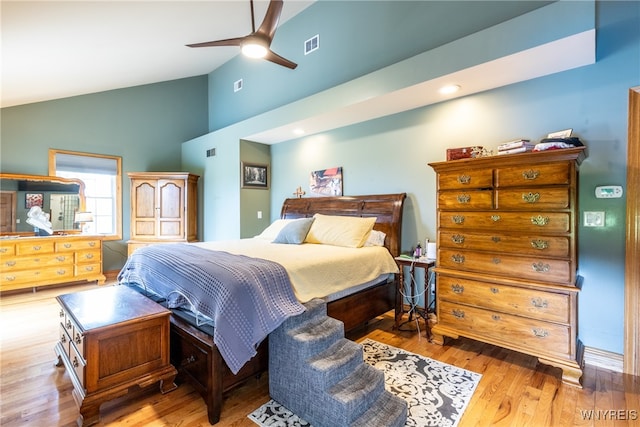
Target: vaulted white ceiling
[56, 49]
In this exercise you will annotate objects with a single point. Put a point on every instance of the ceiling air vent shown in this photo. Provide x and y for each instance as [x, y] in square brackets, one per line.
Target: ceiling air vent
[312, 44]
[237, 85]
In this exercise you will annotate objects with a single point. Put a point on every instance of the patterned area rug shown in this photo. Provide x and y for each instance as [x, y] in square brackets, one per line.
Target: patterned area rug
[436, 393]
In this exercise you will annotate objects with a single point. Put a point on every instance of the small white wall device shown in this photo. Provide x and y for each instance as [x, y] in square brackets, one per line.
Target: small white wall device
[609, 192]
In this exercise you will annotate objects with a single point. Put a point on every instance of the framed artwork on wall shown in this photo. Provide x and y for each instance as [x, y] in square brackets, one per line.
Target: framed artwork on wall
[326, 182]
[255, 176]
[33, 199]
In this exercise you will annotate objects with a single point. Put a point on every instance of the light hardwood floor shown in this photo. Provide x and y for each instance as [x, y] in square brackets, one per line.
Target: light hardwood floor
[514, 391]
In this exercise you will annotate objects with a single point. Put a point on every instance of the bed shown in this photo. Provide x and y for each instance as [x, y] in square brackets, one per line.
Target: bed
[195, 352]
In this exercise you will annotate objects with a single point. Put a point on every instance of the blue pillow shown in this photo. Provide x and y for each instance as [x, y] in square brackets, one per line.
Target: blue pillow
[295, 232]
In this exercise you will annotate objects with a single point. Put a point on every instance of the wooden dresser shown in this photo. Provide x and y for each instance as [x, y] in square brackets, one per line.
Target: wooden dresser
[29, 262]
[507, 254]
[163, 208]
[111, 339]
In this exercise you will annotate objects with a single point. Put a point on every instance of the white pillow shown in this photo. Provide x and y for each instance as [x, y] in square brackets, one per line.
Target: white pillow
[272, 231]
[376, 238]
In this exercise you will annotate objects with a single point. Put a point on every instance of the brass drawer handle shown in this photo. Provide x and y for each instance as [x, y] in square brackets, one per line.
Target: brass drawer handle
[458, 314]
[63, 338]
[61, 272]
[494, 290]
[495, 218]
[495, 317]
[3, 250]
[540, 220]
[67, 245]
[75, 362]
[78, 339]
[540, 333]
[496, 260]
[60, 258]
[68, 324]
[539, 244]
[458, 219]
[9, 278]
[37, 248]
[10, 263]
[496, 239]
[458, 239]
[88, 268]
[530, 174]
[464, 198]
[457, 289]
[464, 179]
[61, 313]
[88, 256]
[189, 360]
[92, 244]
[457, 258]
[531, 197]
[541, 267]
[539, 303]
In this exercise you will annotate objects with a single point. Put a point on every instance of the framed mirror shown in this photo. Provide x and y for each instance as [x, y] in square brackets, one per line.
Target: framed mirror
[60, 198]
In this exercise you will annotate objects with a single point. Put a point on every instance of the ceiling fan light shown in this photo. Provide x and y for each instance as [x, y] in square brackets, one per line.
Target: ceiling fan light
[254, 50]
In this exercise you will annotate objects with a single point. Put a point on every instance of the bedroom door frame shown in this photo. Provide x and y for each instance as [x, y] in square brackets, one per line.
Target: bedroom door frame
[631, 360]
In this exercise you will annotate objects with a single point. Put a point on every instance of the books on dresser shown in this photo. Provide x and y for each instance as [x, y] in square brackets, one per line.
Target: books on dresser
[517, 146]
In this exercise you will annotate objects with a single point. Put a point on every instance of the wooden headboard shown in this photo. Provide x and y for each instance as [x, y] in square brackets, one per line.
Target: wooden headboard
[387, 208]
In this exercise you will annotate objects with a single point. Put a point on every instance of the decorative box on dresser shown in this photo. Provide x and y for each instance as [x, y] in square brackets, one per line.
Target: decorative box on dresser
[507, 254]
[163, 208]
[29, 262]
[111, 339]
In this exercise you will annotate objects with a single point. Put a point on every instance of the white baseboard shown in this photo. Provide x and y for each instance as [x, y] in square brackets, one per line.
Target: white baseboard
[603, 359]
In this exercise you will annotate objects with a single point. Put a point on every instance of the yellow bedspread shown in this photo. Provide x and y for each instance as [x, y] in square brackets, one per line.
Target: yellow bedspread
[316, 270]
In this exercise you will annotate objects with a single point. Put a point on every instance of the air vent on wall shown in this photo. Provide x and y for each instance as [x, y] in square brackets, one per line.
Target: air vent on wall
[211, 152]
[237, 85]
[312, 44]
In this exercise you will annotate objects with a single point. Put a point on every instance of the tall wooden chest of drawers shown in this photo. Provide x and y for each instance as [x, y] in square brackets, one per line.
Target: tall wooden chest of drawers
[507, 254]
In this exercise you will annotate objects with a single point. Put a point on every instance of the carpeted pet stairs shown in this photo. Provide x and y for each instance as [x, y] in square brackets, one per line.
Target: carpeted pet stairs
[319, 375]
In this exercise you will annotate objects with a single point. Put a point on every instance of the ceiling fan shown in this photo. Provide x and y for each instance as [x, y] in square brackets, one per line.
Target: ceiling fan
[258, 43]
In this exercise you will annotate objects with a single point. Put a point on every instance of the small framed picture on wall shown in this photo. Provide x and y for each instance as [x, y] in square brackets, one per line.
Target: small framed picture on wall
[255, 176]
[33, 199]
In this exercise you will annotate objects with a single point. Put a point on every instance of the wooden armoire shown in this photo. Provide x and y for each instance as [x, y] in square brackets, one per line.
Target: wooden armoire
[507, 254]
[163, 208]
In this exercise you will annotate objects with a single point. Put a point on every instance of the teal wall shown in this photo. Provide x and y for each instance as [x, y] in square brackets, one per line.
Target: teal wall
[390, 154]
[145, 125]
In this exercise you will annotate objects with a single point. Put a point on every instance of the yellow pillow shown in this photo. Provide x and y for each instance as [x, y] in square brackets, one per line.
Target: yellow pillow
[349, 231]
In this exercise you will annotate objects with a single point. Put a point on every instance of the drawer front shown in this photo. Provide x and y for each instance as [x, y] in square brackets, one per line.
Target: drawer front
[76, 245]
[511, 331]
[52, 274]
[87, 269]
[528, 175]
[544, 246]
[540, 269]
[35, 262]
[90, 256]
[474, 199]
[465, 179]
[7, 249]
[34, 248]
[532, 303]
[533, 199]
[532, 222]
[78, 363]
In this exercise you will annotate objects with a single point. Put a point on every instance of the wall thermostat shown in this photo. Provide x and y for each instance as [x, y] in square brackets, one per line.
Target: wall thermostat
[609, 191]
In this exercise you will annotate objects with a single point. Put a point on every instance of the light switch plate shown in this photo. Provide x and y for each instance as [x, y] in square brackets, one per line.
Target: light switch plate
[594, 219]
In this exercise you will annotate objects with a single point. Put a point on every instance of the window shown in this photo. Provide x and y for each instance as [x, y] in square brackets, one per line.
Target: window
[102, 177]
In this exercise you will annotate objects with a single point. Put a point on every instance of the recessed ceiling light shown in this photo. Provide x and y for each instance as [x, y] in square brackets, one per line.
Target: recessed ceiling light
[298, 131]
[449, 89]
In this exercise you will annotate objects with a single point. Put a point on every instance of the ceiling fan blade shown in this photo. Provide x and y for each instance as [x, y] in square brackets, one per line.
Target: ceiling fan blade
[271, 18]
[277, 59]
[236, 41]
